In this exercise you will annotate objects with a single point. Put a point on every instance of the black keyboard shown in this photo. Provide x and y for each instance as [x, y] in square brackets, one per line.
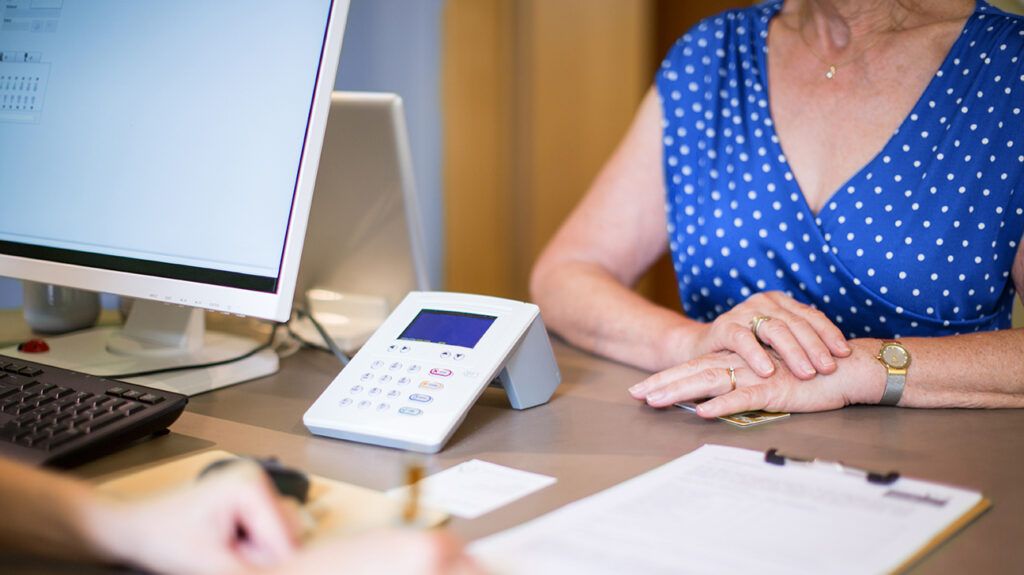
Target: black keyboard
[59, 417]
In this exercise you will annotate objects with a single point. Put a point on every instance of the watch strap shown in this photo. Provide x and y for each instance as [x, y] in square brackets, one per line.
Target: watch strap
[894, 383]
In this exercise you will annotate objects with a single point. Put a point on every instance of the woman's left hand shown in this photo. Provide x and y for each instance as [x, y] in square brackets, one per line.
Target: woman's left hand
[860, 378]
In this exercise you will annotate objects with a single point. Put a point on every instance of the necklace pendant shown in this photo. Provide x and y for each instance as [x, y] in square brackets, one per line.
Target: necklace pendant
[831, 72]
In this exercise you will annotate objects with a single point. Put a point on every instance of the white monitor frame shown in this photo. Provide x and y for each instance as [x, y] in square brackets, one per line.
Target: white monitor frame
[273, 306]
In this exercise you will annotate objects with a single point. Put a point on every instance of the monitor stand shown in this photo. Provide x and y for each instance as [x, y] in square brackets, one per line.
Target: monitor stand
[158, 336]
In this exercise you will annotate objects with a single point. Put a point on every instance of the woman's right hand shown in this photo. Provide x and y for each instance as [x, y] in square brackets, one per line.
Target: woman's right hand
[802, 337]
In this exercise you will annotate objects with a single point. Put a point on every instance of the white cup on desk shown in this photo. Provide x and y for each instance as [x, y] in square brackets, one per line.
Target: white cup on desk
[53, 309]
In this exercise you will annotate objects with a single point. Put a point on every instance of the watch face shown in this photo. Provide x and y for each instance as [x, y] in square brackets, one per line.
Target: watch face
[895, 356]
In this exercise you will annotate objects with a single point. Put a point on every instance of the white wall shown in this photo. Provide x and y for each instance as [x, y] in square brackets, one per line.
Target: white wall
[395, 46]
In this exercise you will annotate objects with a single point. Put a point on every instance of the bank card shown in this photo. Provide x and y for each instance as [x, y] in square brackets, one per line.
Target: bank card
[743, 419]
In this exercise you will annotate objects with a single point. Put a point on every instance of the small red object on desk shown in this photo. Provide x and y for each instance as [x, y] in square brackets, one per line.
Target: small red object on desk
[33, 346]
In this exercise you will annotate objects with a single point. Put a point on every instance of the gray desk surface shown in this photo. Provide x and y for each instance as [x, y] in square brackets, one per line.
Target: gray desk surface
[593, 435]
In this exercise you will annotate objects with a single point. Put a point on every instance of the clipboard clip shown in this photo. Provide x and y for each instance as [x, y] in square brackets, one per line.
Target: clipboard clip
[773, 457]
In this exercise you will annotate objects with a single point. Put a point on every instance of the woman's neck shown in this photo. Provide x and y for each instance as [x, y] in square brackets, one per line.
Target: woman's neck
[834, 27]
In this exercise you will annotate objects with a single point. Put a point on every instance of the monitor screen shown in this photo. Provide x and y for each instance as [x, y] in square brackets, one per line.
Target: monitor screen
[156, 138]
[448, 327]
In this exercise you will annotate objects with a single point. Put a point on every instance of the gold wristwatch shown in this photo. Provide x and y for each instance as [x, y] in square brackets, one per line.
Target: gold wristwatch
[896, 360]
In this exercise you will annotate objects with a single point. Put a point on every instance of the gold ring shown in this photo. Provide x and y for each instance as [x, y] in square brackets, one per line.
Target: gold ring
[732, 378]
[755, 325]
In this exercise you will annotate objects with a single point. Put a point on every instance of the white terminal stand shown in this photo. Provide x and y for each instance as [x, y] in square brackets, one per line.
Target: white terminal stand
[415, 379]
[158, 336]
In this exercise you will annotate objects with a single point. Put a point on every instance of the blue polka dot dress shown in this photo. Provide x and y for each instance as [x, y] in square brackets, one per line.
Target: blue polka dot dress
[920, 241]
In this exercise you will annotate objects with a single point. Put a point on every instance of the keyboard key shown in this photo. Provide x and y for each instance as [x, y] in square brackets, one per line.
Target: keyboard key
[11, 367]
[66, 404]
[100, 400]
[116, 391]
[64, 437]
[21, 408]
[47, 422]
[33, 392]
[80, 419]
[132, 394]
[132, 408]
[25, 420]
[63, 392]
[91, 411]
[42, 401]
[103, 420]
[81, 396]
[47, 388]
[151, 399]
[21, 434]
[34, 439]
[30, 371]
[29, 385]
[17, 397]
[7, 391]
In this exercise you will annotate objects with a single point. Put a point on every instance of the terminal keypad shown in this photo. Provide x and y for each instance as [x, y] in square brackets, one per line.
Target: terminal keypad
[400, 382]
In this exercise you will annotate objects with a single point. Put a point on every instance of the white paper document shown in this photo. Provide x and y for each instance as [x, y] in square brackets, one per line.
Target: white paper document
[475, 488]
[724, 509]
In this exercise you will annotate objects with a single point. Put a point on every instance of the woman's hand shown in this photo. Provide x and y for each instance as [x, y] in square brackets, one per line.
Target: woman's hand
[805, 340]
[859, 378]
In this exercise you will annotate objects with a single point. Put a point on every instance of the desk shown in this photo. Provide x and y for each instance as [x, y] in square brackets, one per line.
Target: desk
[593, 435]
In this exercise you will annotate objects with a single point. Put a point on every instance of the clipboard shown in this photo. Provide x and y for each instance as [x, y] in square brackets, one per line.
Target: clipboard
[772, 456]
[727, 509]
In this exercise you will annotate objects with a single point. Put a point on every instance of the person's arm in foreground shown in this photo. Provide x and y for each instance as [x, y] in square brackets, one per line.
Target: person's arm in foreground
[582, 279]
[192, 530]
[975, 370]
[195, 530]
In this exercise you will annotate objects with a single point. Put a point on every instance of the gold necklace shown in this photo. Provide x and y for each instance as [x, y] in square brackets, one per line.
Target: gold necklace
[833, 67]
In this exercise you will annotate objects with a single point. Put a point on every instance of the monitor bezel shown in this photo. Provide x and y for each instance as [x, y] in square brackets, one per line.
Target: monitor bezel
[240, 301]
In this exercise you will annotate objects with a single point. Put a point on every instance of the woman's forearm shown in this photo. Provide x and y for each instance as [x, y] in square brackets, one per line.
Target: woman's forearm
[594, 311]
[975, 370]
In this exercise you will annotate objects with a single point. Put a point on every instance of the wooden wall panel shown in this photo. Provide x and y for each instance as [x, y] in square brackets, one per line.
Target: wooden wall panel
[537, 94]
[588, 63]
[478, 126]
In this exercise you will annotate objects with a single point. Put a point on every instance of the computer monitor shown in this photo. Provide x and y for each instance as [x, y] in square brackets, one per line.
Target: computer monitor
[364, 242]
[165, 151]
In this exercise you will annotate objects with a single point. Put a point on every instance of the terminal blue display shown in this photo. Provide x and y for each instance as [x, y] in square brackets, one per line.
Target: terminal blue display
[448, 327]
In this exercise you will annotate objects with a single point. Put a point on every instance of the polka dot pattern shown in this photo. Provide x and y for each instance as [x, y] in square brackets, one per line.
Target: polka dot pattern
[919, 242]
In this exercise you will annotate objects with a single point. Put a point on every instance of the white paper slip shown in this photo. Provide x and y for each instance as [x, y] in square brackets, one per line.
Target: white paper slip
[475, 488]
[724, 509]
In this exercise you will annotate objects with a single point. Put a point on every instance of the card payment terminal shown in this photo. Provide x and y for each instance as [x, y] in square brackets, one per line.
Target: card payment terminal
[415, 379]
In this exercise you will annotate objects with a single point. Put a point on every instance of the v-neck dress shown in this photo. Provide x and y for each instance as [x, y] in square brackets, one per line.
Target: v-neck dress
[920, 241]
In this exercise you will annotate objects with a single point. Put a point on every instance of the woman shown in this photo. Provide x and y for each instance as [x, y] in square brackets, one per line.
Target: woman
[852, 185]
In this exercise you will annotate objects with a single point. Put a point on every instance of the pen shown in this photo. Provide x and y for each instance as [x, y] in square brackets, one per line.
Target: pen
[413, 475]
[773, 457]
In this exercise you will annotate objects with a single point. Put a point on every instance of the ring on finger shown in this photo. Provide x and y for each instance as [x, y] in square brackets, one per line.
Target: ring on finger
[755, 325]
[732, 379]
